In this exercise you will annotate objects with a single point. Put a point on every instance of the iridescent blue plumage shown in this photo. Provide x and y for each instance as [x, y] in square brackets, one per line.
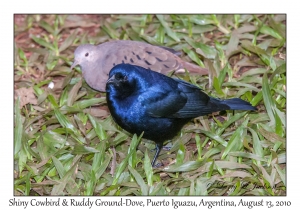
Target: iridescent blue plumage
[146, 101]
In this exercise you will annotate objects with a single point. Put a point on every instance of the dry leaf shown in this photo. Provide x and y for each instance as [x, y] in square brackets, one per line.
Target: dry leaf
[26, 96]
[97, 112]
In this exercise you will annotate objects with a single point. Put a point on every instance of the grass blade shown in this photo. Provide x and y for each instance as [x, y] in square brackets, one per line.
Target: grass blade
[139, 180]
[18, 130]
[187, 166]
[267, 30]
[134, 142]
[214, 136]
[281, 173]
[73, 93]
[47, 27]
[43, 43]
[98, 128]
[59, 167]
[202, 49]
[99, 156]
[180, 154]
[28, 183]
[169, 31]
[81, 149]
[257, 147]
[268, 100]
[58, 189]
[103, 167]
[87, 103]
[68, 42]
[63, 120]
[193, 56]
[235, 142]
[148, 169]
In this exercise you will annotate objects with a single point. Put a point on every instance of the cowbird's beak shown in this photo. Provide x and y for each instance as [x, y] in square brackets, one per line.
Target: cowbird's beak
[111, 80]
[74, 64]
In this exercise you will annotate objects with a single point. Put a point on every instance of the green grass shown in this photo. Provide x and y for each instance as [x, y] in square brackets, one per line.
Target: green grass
[66, 143]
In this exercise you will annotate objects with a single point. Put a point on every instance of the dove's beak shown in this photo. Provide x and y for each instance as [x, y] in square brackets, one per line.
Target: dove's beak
[74, 64]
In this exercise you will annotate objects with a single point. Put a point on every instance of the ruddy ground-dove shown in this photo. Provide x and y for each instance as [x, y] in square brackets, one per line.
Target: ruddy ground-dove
[97, 61]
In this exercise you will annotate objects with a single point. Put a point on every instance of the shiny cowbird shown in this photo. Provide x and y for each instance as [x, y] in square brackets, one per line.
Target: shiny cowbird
[146, 101]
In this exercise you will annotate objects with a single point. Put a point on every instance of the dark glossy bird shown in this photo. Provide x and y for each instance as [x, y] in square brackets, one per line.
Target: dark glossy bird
[146, 101]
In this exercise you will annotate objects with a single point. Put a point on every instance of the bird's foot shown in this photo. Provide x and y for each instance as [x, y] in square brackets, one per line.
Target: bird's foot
[157, 165]
[167, 147]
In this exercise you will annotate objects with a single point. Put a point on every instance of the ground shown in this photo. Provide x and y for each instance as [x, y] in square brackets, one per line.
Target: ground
[66, 143]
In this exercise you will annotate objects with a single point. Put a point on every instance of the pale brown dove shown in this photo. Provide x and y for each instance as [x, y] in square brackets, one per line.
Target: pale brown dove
[97, 61]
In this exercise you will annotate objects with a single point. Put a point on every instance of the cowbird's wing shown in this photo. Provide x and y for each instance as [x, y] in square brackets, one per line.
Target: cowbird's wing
[197, 101]
[162, 102]
[184, 101]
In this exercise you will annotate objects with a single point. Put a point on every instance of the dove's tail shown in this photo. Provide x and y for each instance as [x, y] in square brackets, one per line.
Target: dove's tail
[192, 68]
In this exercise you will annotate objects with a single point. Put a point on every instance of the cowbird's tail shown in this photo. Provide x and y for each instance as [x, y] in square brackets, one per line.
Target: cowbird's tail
[230, 104]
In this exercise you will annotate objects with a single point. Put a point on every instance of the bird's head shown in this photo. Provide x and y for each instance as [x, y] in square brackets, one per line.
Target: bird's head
[84, 55]
[124, 80]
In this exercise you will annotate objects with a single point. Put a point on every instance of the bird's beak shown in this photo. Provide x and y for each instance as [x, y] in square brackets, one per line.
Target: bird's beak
[74, 64]
[111, 80]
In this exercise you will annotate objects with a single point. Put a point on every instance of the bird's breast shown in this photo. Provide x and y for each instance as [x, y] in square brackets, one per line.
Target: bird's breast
[132, 116]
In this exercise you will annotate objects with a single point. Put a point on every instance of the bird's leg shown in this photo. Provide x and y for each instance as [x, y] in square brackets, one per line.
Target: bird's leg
[167, 147]
[158, 147]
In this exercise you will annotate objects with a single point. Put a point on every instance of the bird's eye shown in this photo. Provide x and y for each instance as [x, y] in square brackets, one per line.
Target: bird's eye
[86, 54]
[118, 76]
